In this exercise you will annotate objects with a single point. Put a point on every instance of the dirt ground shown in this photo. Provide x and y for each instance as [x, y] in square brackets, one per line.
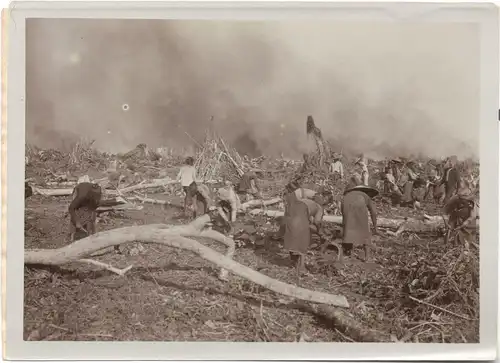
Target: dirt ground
[417, 289]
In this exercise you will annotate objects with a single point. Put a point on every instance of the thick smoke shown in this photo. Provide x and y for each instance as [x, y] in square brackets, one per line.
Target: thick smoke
[382, 88]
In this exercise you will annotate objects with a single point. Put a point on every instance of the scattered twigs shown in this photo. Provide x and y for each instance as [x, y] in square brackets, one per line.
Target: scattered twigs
[439, 308]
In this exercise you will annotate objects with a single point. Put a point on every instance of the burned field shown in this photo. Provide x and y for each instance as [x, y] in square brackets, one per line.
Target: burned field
[416, 290]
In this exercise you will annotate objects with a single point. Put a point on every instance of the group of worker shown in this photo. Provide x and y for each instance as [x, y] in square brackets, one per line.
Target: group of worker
[304, 208]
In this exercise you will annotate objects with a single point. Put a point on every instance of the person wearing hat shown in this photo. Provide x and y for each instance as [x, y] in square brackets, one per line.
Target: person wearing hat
[297, 236]
[249, 185]
[355, 207]
[396, 164]
[365, 175]
[462, 211]
[451, 179]
[336, 168]
[228, 200]
[406, 183]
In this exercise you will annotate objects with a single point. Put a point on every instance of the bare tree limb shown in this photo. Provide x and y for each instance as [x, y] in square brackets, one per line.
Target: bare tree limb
[171, 237]
[106, 266]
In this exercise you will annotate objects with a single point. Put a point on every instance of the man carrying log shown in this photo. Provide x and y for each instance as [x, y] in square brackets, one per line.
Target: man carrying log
[83, 208]
[463, 212]
[298, 215]
[355, 207]
[187, 177]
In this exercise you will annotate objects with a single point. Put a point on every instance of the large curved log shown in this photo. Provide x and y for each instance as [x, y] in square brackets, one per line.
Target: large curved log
[410, 224]
[161, 234]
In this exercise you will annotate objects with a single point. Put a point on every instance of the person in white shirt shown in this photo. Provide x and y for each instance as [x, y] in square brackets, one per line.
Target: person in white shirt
[187, 178]
[364, 170]
[336, 168]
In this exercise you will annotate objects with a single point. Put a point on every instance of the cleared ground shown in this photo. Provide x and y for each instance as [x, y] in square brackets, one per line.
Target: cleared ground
[175, 295]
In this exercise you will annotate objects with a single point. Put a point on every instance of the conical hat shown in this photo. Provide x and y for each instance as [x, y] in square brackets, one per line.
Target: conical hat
[371, 192]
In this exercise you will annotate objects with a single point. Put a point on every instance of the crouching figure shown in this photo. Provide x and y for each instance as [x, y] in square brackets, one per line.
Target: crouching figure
[83, 209]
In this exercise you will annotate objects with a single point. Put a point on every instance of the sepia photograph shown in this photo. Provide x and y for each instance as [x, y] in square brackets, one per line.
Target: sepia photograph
[220, 180]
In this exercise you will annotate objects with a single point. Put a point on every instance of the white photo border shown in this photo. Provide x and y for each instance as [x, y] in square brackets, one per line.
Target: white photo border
[485, 15]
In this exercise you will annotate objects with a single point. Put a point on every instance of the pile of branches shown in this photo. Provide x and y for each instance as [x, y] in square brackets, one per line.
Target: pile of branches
[215, 160]
[438, 292]
[82, 156]
[140, 153]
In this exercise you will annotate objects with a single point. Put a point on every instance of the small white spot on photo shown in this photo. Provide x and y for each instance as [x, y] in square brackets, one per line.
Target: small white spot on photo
[125, 107]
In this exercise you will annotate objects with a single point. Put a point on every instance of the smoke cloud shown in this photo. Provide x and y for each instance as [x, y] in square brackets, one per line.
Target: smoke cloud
[382, 89]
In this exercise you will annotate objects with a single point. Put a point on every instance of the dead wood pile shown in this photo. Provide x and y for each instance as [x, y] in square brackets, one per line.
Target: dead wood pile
[216, 160]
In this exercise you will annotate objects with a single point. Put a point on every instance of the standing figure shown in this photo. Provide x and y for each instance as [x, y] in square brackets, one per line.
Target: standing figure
[337, 168]
[355, 207]
[365, 175]
[451, 179]
[297, 237]
[83, 208]
[249, 185]
[463, 212]
[406, 182]
[187, 177]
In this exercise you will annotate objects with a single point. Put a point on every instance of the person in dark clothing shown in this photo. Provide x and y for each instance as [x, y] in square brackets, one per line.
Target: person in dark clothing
[463, 212]
[451, 179]
[355, 207]
[202, 200]
[249, 185]
[28, 190]
[297, 237]
[82, 209]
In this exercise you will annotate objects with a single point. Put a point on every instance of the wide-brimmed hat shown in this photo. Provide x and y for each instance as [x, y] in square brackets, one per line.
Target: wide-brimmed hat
[371, 192]
[336, 156]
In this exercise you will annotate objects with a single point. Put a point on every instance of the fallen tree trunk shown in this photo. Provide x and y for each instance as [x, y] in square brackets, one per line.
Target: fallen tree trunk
[68, 191]
[411, 224]
[59, 192]
[171, 237]
[345, 323]
[259, 203]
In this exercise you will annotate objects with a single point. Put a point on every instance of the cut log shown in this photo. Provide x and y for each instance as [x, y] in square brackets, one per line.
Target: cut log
[58, 192]
[149, 200]
[259, 203]
[410, 224]
[171, 237]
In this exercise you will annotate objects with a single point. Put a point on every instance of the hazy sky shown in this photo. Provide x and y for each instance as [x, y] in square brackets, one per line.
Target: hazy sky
[378, 88]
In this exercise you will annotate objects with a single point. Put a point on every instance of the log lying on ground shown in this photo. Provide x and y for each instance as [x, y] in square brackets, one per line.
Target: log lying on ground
[171, 237]
[68, 191]
[345, 323]
[59, 192]
[411, 224]
[259, 203]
